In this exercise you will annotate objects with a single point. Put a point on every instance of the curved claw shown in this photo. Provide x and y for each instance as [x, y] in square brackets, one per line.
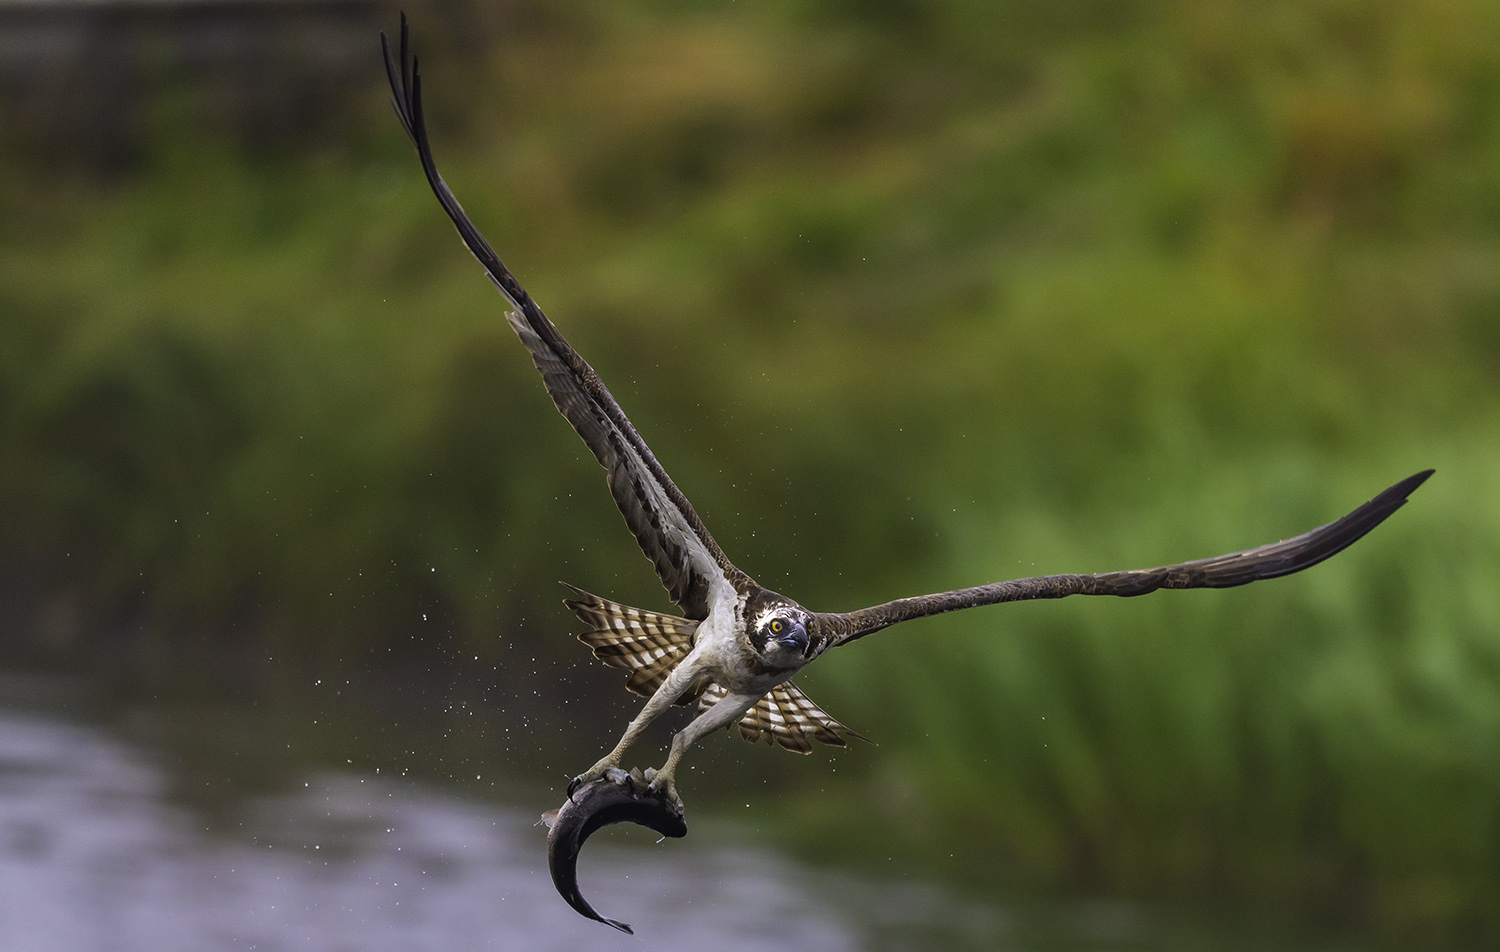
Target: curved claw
[600, 802]
[602, 771]
[661, 786]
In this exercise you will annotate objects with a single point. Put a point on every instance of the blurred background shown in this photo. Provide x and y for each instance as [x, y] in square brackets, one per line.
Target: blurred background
[906, 296]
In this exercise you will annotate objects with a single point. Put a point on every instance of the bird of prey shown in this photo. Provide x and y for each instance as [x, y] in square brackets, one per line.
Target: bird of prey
[737, 644]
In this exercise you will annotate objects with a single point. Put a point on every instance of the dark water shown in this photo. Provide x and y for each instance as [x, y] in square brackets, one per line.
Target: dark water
[100, 853]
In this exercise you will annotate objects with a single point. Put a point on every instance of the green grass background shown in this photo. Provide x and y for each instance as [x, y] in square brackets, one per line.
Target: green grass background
[906, 296]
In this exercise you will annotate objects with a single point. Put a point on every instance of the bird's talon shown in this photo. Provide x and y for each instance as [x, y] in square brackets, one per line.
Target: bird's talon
[620, 778]
[603, 770]
[661, 786]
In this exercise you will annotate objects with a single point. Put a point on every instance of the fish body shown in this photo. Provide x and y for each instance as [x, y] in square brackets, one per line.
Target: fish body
[622, 798]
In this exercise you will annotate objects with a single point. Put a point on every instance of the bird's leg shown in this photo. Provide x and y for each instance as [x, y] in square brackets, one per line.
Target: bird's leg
[663, 781]
[609, 765]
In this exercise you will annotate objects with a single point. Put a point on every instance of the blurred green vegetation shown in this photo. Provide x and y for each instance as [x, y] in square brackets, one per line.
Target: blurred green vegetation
[906, 296]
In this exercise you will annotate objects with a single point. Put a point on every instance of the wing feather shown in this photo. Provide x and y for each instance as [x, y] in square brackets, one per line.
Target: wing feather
[645, 643]
[785, 717]
[688, 561]
[1222, 571]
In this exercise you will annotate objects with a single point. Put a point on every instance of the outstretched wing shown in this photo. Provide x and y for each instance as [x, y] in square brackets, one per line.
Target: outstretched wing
[647, 644]
[786, 717]
[688, 561]
[1224, 571]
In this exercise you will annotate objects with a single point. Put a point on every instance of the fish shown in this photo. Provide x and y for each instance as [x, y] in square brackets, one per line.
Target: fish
[616, 798]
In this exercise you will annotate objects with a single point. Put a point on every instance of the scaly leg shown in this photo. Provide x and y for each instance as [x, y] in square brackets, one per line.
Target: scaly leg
[663, 781]
[671, 689]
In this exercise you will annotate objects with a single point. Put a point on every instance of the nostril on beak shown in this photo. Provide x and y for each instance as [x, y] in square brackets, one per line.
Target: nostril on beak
[796, 638]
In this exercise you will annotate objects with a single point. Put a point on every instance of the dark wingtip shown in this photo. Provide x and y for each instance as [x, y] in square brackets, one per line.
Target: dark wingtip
[1327, 541]
[1409, 484]
[1394, 498]
[579, 600]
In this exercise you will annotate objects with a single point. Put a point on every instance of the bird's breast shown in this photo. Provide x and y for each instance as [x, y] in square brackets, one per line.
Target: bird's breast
[722, 650]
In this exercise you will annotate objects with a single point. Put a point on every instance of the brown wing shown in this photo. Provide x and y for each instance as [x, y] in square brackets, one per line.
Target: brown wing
[688, 561]
[787, 718]
[647, 644]
[1224, 571]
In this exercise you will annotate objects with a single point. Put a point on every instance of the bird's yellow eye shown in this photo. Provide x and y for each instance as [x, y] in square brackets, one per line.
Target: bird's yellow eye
[776, 627]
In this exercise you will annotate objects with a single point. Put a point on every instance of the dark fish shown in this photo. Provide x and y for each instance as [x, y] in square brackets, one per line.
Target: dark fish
[622, 798]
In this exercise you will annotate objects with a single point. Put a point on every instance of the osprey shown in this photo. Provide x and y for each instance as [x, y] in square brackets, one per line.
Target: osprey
[737, 644]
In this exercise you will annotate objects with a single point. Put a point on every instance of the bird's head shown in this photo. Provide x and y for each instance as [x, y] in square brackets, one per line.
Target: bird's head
[782, 634]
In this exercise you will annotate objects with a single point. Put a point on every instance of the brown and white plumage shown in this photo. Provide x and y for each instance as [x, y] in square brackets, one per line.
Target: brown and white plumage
[785, 718]
[740, 643]
[647, 644]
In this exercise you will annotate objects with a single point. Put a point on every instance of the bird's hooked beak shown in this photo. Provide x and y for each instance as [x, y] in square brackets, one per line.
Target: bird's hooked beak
[795, 638]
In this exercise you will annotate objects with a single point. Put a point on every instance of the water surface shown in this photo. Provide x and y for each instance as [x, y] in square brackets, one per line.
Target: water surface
[100, 852]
